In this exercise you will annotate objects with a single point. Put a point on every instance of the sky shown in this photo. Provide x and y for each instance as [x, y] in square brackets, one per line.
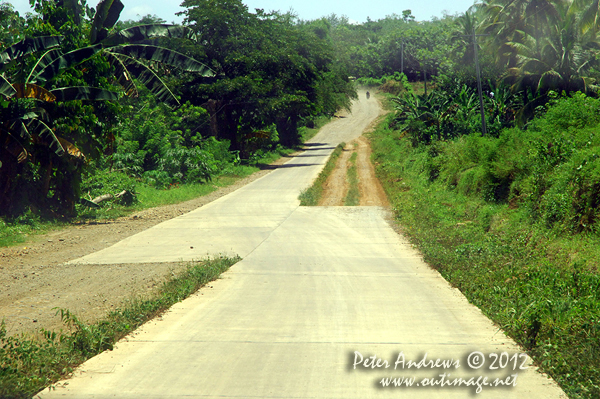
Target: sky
[356, 10]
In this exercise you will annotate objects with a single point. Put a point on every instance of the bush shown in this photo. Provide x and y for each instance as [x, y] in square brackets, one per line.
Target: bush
[542, 287]
[573, 198]
[165, 147]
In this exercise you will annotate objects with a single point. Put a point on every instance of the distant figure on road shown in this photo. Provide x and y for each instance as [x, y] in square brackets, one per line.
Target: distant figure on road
[368, 95]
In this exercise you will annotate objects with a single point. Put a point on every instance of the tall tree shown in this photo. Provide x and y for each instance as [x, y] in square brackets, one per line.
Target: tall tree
[512, 20]
[270, 69]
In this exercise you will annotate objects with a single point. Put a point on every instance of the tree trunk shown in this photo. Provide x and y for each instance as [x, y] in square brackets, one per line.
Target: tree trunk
[287, 127]
[229, 127]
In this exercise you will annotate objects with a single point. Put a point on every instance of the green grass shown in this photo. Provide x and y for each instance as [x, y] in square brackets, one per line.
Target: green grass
[150, 197]
[17, 231]
[353, 195]
[541, 286]
[28, 364]
[312, 195]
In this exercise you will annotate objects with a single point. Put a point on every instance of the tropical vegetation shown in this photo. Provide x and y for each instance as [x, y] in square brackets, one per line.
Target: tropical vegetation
[508, 214]
[501, 172]
[84, 94]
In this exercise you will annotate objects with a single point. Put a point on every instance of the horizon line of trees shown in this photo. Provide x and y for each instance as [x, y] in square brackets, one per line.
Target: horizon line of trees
[532, 46]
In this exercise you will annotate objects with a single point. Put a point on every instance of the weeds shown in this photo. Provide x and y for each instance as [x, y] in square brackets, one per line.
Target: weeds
[15, 231]
[353, 195]
[27, 365]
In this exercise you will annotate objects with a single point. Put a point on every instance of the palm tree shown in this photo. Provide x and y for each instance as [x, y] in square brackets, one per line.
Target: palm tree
[560, 61]
[589, 20]
[511, 21]
[467, 24]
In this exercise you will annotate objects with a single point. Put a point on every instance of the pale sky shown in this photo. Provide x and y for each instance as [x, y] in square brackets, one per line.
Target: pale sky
[355, 10]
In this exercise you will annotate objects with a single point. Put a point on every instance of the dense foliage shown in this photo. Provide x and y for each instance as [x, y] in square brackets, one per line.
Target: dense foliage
[510, 216]
[83, 95]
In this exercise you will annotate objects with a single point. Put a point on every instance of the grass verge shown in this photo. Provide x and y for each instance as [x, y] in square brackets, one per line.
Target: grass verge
[17, 231]
[353, 195]
[312, 195]
[541, 287]
[28, 365]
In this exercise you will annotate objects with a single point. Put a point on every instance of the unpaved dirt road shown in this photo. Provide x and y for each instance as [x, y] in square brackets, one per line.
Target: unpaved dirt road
[370, 189]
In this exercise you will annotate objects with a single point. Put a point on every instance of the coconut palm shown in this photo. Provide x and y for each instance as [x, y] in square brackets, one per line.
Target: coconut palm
[462, 36]
[560, 62]
[589, 20]
[511, 21]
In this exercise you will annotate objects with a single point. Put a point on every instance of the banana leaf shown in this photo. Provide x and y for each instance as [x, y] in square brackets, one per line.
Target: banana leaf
[163, 56]
[145, 32]
[33, 91]
[123, 76]
[39, 128]
[45, 60]
[13, 146]
[41, 114]
[146, 76]
[107, 15]
[84, 93]
[6, 89]
[67, 60]
[18, 127]
[28, 46]
[71, 149]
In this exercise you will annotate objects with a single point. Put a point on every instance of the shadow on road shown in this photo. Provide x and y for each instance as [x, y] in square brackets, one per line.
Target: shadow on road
[272, 167]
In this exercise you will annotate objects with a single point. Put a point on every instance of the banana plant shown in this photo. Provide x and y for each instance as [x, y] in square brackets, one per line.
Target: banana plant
[23, 124]
[31, 69]
[430, 111]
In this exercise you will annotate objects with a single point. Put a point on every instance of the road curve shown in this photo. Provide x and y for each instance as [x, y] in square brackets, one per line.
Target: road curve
[318, 290]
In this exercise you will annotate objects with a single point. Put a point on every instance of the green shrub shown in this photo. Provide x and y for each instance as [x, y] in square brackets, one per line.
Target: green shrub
[573, 199]
[551, 169]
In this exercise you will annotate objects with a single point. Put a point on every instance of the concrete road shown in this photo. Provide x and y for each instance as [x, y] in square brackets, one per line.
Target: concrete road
[324, 299]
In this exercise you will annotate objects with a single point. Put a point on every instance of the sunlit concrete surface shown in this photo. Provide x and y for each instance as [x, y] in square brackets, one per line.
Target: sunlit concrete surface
[315, 286]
